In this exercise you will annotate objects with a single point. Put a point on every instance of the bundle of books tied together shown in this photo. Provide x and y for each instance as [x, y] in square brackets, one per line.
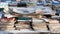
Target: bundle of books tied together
[22, 26]
[54, 26]
[39, 25]
[7, 23]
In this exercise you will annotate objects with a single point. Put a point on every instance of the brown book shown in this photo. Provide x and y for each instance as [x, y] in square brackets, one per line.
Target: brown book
[18, 28]
[38, 11]
[53, 21]
[7, 28]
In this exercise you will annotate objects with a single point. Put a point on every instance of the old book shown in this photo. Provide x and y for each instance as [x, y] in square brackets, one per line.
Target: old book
[7, 28]
[23, 28]
[38, 11]
[39, 16]
[35, 20]
[54, 27]
[40, 26]
[53, 21]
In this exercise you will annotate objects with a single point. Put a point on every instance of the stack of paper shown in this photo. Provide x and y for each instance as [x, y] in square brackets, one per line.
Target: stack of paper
[22, 26]
[40, 26]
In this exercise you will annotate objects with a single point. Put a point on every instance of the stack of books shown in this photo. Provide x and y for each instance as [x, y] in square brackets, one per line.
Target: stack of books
[7, 23]
[40, 27]
[23, 25]
[54, 28]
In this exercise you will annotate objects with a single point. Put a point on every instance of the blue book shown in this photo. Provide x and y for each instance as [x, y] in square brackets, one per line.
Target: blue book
[56, 3]
[1, 14]
[8, 1]
[24, 18]
[58, 11]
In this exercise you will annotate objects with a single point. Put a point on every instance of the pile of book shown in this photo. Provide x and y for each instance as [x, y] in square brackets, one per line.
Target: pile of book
[7, 23]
